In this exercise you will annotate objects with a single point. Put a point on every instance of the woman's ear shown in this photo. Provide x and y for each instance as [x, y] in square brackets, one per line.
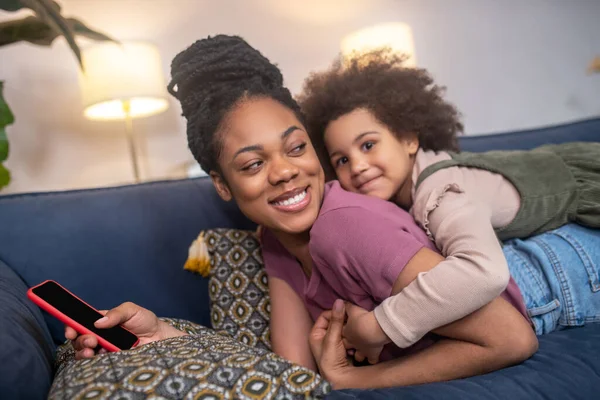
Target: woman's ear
[221, 186]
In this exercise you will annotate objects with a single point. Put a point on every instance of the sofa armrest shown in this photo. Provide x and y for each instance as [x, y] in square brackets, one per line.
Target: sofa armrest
[26, 348]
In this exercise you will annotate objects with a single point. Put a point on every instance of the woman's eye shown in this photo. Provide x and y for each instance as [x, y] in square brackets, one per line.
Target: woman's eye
[298, 149]
[341, 161]
[252, 167]
[368, 145]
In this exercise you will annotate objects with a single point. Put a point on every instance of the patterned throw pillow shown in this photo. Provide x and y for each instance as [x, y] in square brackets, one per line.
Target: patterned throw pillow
[204, 365]
[238, 286]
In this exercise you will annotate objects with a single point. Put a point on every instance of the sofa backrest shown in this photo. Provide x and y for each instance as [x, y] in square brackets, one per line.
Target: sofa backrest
[130, 243]
[580, 131]
[116, 244]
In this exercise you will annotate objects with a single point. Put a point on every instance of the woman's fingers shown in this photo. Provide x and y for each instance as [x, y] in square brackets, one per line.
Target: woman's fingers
[322, 322]
[117, 315]
[85, 342]
[336, 324]
[70, 333]
[85, 353]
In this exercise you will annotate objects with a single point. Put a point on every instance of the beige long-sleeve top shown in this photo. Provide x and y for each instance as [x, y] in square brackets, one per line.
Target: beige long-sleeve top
[459, 208]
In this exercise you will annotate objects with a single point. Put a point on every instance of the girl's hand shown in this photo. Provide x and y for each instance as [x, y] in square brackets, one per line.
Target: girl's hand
[363, 334]
[141, 322]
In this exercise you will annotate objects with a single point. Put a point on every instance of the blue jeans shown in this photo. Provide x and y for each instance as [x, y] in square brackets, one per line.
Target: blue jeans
[558, 273]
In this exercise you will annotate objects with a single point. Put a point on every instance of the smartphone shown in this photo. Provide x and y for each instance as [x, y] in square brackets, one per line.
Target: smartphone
[74, 312]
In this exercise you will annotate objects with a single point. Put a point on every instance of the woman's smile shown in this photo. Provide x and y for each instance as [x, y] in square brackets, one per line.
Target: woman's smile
[293, 201]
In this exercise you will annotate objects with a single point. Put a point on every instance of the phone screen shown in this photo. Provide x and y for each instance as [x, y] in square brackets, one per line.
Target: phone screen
[72, 307]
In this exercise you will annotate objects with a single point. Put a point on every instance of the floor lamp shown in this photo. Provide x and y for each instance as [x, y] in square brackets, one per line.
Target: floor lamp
[395, 35]
[122, 82]
[594, 67]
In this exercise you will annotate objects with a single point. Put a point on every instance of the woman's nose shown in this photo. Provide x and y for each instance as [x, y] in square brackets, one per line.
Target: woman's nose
[282, 171]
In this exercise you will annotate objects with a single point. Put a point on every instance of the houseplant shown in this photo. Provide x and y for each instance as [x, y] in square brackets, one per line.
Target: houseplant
[42, 28]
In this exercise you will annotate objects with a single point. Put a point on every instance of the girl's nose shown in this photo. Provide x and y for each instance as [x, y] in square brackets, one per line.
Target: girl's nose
[358, 166]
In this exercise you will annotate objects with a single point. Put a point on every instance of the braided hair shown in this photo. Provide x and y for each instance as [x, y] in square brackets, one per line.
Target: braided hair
[212, 77]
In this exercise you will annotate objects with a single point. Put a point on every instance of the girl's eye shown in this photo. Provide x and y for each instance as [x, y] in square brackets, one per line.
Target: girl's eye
[298, 149]
[252, 167]
[368, 145]
[341, 161]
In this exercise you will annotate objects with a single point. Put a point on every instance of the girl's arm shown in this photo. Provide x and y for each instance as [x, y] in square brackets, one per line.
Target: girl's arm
[507, 340]
[473, 273]
[493, 337]
[290, 324]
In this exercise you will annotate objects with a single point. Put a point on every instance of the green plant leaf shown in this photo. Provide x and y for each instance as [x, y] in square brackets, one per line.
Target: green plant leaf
[4, 176]
[30, 29]
[49, 11]
[3, 145]
[10, 5]
[82, 30]
[34, 30]
[6, 116]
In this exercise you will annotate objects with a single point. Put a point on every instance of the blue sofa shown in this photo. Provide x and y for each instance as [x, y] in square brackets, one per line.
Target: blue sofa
[130, 243]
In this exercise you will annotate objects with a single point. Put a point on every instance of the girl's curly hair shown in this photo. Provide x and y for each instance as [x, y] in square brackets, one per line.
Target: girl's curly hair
[404, 99]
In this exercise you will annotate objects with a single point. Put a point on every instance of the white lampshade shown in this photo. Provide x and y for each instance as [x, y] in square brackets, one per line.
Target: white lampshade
[119, 73]
[396, 35]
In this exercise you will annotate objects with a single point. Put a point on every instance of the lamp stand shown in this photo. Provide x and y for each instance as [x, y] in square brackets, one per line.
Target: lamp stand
[131, 139]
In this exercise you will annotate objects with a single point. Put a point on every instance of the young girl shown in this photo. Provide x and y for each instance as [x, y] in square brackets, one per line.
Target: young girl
[320, 243]
[385, 131]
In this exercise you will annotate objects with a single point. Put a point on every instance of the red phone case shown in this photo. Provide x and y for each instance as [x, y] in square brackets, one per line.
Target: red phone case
[82, 330]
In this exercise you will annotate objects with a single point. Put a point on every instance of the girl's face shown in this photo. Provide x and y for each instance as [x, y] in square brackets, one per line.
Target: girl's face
[269, 167]
[368, 158]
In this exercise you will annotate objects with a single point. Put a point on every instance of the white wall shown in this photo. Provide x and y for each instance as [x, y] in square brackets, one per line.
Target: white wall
[507, 65]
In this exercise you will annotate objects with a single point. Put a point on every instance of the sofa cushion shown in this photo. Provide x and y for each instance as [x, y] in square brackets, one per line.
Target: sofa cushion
[238, 286]
[205, 364]
[25, 344]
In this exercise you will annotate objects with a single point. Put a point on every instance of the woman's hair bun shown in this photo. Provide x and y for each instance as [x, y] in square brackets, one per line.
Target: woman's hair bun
[220, 62]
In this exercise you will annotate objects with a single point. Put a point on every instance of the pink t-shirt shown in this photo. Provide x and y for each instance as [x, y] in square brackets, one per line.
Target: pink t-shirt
[359, 245]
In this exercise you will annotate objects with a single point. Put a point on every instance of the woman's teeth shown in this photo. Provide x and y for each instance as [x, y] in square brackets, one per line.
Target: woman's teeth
[291, 201]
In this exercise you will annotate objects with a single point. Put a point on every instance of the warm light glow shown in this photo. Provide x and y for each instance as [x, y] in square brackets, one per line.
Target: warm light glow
[594, 67]
[116, 73]
[113, 109]
[397, 36]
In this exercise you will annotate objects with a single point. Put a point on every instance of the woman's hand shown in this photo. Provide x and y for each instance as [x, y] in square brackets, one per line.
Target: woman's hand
[363, 334]
[141, 322]
[328, 348]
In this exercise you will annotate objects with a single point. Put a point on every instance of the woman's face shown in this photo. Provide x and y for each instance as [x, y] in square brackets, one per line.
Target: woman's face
[269, 167]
